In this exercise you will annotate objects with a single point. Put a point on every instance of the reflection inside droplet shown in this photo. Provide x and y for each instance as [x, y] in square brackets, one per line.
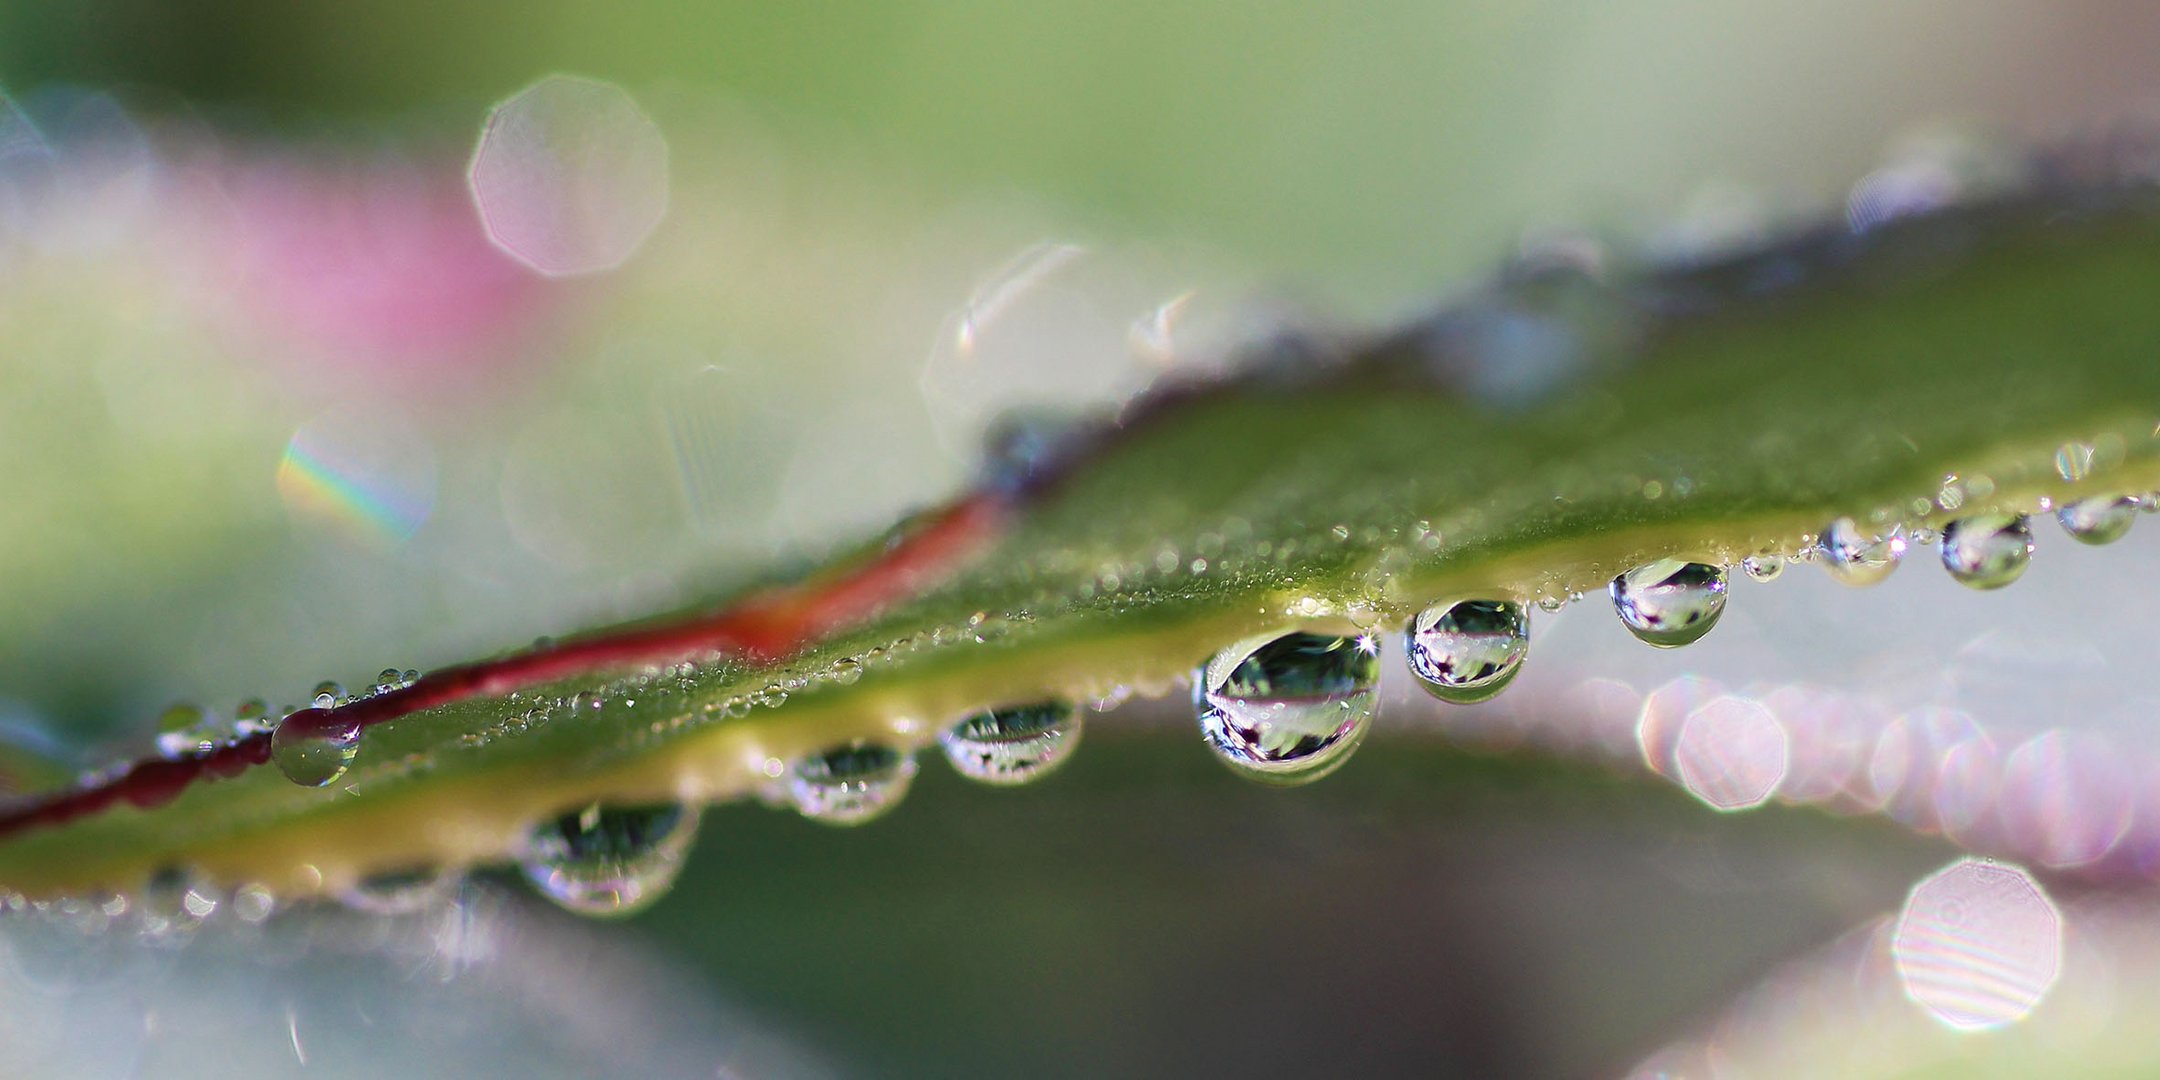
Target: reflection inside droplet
[1467, 651]
[1013, 745]
[610, 860]
[852, 784]
[1288, 709]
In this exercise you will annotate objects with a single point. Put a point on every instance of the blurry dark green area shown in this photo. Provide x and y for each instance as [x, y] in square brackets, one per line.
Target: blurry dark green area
[1206, 119]
[1145, 912]
[1365, 152]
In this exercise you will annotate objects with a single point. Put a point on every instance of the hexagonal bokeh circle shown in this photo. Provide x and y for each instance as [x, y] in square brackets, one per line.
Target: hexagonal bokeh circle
[1978, 944]
[570, 176]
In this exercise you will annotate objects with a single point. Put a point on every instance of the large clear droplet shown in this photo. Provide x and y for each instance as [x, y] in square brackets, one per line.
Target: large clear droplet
[1857, 557]
[402, 892]
[2101, 520]
[610, 860]
[1987, 551]
[313, 747]
[849, 785]
[1467, 651]
[1013, 745]
[1289, 709]
[1670, 602]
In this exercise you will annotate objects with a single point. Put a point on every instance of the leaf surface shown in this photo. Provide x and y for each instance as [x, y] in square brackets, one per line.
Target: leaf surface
[1530, 441]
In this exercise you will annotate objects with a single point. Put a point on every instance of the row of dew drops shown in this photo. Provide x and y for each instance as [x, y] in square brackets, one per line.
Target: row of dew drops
[1283, 709]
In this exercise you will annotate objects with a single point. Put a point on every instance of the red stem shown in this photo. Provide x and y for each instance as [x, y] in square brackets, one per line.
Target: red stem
[761, 628]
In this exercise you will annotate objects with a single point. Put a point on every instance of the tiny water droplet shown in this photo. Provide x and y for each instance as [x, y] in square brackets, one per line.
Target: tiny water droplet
[1670, 602]
[1288, 709]
[180, 717]
[2100, 520]
[254, 902]
[1763, 567]
[1857, 557]
[186, 728]
[1467, 651]
[847, 672]
[850, 785]
[175, 901]
[313, 747]
[1013, 745]
[252, 717]
[1552, 605]
[402, 892]
[1987, 551]
[327, 695]
[609, 860]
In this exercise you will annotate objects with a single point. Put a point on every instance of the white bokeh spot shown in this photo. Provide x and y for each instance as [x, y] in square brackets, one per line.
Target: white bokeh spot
[570, 176]
[1978, 945]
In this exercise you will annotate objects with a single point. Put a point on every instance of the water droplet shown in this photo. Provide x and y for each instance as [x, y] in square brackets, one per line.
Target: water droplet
[180, 717]
[252, 717]
[313, 747]
[1288, 709]
[607, 860]
[186, 729]
[1987, 551]
[2100, 520]
[174, 900]
[1857, 557]
[1467, 651]
[849, 785]
[402, 892]
[1763, 567]
[254, 902]
[1021, 442]
[1670, 602]
[847, 672]
[1013, 745]
[327, 695]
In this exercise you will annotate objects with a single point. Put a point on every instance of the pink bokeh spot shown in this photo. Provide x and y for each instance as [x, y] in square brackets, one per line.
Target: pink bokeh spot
[380, 271]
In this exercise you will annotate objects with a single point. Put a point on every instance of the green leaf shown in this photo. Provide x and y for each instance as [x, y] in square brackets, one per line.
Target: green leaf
[1530, 442]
